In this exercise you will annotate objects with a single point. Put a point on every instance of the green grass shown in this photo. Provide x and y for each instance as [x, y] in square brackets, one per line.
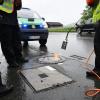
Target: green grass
[62, 29]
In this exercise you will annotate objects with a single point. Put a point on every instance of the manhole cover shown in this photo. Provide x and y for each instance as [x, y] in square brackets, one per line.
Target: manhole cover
[52, 59]
[43, 78]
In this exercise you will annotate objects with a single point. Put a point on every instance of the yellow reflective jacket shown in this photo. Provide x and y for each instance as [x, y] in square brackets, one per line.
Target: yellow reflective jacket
[96, 13]
[7, 6]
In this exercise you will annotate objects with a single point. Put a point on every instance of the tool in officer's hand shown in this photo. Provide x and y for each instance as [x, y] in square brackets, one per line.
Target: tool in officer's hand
[92, 92]
[64, 44]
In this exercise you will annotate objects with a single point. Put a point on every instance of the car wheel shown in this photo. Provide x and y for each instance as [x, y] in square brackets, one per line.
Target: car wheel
[25, 44]
[89, 32]
[79, 31]
[43, 41]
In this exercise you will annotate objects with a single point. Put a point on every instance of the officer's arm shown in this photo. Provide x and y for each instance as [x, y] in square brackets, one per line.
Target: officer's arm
[18, 4]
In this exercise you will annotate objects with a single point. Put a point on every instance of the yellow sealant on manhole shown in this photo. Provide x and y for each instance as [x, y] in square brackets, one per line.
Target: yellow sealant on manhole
[53, 58]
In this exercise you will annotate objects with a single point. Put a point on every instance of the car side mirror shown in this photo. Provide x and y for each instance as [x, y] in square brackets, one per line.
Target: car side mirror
[76, 24]
[43, 18]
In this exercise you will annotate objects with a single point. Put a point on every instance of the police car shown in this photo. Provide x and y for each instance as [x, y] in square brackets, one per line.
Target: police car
[32, 26]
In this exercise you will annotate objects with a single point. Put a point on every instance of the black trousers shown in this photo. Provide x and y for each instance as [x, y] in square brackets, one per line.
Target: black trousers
[0, 80]
[97, 45]
[10, 42]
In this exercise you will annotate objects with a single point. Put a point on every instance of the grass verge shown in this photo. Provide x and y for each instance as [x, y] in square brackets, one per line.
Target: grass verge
[62, 29]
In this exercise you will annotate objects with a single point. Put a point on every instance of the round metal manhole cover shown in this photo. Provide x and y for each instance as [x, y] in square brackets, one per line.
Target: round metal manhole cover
[52, 59]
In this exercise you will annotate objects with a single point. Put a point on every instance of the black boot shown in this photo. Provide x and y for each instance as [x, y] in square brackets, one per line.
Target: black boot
[13, 65]
[21, 60]
[4, 90]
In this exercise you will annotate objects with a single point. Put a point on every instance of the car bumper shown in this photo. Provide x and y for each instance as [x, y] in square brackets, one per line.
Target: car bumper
[33, 34]
[88, 30]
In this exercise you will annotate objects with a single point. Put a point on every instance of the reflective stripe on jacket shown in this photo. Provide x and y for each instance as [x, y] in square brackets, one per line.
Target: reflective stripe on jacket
[10, 18]
[96, 14]
[7, 6]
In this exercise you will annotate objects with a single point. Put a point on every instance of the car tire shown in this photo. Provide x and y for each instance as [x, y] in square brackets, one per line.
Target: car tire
[89, 32]
[79, 31]
[25, 44]
[43, 41]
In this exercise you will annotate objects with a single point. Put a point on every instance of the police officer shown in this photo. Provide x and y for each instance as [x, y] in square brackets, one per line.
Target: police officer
[96, 19]
[9, 36]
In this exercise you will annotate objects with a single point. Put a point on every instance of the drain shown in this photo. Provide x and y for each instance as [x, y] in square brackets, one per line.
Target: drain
[78, 57]
[51, 59]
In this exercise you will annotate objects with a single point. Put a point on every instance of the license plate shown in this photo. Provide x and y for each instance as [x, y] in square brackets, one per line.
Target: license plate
[33, 26]
[34, 37]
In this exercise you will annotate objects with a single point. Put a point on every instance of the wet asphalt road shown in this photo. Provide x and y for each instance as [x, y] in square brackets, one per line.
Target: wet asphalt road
[80, 46]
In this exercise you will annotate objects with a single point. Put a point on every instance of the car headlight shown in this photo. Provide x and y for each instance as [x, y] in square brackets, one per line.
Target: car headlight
[24, 25]
[41, 26]
[45, 25]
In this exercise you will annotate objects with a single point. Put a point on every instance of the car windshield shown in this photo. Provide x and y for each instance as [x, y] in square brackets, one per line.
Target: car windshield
[27, 13]
[82, 22]
[89, 21]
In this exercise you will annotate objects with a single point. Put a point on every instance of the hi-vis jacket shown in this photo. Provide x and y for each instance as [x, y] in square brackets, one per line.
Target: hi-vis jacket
[7, 6]
[9, 16]
[96, 13]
